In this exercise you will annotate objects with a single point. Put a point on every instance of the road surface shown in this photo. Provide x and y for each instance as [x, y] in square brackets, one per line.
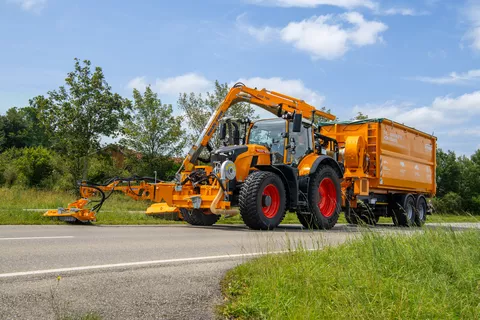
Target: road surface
[128, 272]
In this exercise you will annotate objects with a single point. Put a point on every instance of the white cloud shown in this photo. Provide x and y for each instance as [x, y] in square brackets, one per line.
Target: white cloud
[292, 87]
[261, 34]
[475, 131]
[472, 13]
[324, 37]
[453, 78]
[35, 6]
[190, 82]
[348, 4]
[402, 12]
[467, 104]
[139, 83]
[443, 111]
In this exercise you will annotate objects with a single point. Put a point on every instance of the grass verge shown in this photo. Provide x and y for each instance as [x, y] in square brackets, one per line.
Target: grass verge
[430, 275]
[118, 210]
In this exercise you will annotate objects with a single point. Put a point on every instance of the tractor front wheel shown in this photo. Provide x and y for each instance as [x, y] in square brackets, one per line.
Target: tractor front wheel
[262, 200]
[196, 217]
[324, 199]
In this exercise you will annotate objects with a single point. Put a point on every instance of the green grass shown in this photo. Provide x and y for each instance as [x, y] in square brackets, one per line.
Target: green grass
[429, 275]
[117, 210]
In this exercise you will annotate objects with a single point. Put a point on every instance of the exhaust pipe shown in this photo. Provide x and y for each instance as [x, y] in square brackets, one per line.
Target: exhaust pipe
[227, 212]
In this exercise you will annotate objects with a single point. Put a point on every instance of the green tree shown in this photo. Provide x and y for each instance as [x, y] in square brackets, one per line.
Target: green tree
[20, 127]
[80, 113]
[448, 172]
[13, 130]
[320, 120]
[360, 116]
[198, 109]
[153, 130]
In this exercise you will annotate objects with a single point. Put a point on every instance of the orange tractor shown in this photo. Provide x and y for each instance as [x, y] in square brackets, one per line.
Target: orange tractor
[264, 169]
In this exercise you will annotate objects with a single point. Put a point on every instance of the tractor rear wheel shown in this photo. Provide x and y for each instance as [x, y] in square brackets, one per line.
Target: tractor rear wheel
[404, 210]
[262, 200]
[421, 211]
[196, 217]
[324, 199]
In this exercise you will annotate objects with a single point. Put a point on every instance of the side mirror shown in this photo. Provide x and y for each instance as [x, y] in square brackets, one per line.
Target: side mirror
[236, 136]
[223, 131]
[297, 122]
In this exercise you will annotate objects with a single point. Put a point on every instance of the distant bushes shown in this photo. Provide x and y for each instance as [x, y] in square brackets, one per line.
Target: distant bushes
[38, 167]
[29, 167]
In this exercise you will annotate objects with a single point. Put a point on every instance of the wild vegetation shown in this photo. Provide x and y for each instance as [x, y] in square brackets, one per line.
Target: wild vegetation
[428, 275]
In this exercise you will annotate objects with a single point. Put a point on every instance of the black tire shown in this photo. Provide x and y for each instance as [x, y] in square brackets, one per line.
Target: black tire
[324, 194]
[404, 210]
[196, 217]
[262, 200]
[421, 211]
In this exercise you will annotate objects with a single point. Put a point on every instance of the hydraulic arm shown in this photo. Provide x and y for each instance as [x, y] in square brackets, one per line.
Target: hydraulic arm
[271, 101]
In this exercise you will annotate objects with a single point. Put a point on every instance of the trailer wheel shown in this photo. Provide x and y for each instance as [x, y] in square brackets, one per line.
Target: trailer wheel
[262, 200]
[324, 198]
[404, 210]
[421, 211]
[196, 217]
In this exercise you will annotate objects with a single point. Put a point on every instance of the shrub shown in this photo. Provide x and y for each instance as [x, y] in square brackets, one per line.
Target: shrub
[25, 167]
[448, 204]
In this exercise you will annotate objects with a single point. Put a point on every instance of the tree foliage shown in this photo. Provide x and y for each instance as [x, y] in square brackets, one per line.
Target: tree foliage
[458, 182]
[81, 112]
[198, 110]
[21, 128]
[154, 132]
[360, 116]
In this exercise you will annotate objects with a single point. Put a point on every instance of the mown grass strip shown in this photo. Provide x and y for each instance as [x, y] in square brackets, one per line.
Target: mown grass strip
[430, 275]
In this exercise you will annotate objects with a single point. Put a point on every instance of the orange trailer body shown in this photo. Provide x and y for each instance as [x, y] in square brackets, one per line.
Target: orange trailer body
[383, 157]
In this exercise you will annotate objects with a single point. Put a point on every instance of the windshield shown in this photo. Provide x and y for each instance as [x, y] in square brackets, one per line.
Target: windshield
[267, 133]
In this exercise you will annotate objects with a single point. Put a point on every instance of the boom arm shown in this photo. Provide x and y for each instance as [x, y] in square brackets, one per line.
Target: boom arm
[271, 101]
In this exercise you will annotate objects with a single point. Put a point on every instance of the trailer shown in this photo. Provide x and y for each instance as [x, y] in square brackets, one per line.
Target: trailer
[389, 170]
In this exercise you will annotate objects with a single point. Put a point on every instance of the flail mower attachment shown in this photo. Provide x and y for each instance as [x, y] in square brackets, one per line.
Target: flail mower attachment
[85, 209]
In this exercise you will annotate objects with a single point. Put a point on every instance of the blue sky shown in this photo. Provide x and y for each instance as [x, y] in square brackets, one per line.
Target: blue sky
[416, 62]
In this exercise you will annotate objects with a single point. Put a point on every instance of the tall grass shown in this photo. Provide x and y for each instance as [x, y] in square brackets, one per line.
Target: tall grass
[118, 209]
[430, 275]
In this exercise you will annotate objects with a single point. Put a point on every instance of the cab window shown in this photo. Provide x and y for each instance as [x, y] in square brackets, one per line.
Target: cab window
[269, 133]
[303, 144]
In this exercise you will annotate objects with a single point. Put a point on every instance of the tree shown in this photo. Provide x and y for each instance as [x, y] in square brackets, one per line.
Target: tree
[448, 172]
[12, 130]
[320, 120]
[198, 110]
[80, 112]
[360, 116]
[153, 130]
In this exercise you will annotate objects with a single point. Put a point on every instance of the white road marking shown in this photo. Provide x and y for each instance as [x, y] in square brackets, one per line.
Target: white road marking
[38, 238]
[139, 263]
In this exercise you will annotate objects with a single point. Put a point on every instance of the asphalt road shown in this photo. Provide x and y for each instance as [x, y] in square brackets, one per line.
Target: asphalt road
[130, 272]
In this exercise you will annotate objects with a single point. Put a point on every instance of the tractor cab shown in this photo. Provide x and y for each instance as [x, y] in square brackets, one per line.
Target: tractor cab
[286, 145]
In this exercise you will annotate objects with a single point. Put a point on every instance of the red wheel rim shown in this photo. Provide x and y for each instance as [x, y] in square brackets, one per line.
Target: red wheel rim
[271, 209]
[328, 197]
